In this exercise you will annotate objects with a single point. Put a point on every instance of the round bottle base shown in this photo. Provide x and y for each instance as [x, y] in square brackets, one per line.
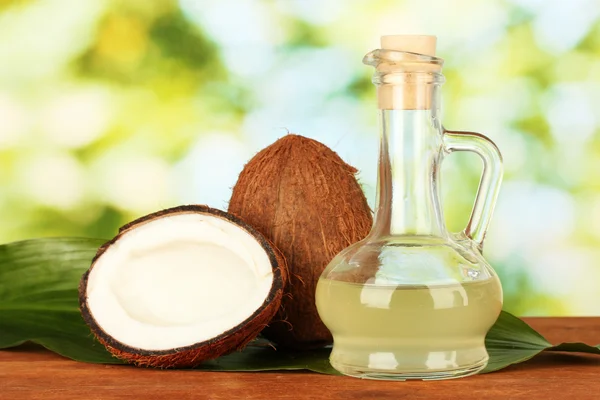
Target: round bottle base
[392, 375]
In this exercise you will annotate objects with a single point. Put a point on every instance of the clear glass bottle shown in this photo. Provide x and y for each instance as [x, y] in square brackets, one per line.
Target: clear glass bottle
[412, 300]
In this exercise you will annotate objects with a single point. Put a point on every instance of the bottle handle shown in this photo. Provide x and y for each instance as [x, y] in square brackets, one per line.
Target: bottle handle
[489, 185]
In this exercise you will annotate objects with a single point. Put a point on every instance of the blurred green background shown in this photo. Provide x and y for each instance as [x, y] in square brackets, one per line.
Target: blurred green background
[112, 109]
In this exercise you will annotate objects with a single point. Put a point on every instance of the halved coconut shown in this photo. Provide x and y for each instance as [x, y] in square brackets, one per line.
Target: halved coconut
[181, 286]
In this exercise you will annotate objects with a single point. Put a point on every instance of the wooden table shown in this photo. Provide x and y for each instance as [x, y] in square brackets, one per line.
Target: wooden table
[30, 372]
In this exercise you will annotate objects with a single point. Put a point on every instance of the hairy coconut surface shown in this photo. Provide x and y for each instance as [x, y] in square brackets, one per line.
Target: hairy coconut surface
[306, 200]
[182, 286]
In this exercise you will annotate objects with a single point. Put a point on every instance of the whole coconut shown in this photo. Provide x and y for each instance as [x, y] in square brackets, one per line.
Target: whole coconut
[306, 200]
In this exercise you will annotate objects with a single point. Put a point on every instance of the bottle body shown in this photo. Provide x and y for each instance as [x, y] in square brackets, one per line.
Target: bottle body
[412, 311]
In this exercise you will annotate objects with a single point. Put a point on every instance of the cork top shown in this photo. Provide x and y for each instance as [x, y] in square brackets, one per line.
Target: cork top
[400, 63]
[421, 44]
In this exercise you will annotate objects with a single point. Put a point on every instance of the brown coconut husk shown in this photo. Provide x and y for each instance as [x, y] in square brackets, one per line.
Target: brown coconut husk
[306, 200]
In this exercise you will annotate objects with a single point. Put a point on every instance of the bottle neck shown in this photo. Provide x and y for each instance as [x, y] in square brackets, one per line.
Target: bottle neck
[410, 154]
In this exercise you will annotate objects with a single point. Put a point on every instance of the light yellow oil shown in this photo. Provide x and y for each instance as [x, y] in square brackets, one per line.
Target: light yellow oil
[411, 331]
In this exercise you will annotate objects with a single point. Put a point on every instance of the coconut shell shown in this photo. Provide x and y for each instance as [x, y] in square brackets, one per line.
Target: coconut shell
[306, 200]
[234, 339]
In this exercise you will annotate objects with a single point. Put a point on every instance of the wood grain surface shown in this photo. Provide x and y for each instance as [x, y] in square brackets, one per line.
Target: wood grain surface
[30, 372]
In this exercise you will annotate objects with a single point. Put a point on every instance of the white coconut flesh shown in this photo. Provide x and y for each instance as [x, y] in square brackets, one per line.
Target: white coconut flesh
[178, 280]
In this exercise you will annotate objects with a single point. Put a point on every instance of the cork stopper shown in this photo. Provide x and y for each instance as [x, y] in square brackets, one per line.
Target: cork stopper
[408, 95]
[421, 44]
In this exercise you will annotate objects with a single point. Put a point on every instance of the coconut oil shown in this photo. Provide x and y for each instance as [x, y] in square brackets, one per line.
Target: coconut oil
[413, 331]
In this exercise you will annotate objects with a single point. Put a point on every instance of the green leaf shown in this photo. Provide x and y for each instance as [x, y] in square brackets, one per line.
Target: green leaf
[576, 348]
[39, 303]
[511, 341]
[263, 357]
[38, 297]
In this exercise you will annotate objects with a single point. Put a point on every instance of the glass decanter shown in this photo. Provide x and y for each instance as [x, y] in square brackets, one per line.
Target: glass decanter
[412, 300]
